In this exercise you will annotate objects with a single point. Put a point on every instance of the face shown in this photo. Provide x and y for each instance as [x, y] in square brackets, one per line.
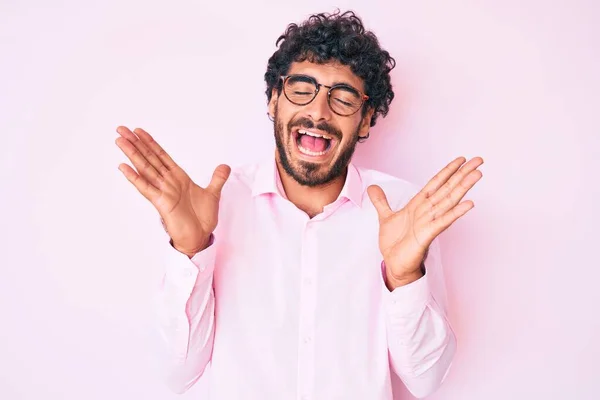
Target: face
[314, 144]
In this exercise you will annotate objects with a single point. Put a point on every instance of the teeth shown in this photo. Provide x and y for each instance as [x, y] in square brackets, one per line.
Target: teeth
[303, 132]
[311, 153]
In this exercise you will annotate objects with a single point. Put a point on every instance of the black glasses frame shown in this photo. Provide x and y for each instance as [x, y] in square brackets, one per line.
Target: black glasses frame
[318, 85]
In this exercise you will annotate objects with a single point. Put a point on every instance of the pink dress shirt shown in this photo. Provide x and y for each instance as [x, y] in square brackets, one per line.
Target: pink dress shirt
[281, 306]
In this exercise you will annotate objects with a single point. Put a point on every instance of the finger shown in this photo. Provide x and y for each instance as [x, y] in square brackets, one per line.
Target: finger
[153, 145]
[140, 162]
[218, 180]
[438, 180]
[145, 151]
[441, 224]
[380, 202]
[426, 201]
[141, 184]
[455, 179]
[456, 195]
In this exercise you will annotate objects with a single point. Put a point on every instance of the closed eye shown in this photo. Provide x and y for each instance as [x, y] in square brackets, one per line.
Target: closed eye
[345, 103]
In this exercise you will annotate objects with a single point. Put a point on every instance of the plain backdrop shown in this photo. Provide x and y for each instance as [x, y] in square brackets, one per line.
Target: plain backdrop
[515, 82]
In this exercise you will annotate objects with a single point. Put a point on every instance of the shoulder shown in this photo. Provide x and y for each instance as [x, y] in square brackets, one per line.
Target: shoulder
[244, 174]
[241, 181]
[397, 190]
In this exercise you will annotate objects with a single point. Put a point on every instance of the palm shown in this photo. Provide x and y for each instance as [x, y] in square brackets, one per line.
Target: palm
[188, 210]
[405, 235]
[400, 241]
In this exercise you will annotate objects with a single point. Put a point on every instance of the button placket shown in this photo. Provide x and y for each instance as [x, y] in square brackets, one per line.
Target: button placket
[306, 350]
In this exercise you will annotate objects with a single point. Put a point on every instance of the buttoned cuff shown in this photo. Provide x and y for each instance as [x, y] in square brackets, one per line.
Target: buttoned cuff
[184, 271]
[409, 299]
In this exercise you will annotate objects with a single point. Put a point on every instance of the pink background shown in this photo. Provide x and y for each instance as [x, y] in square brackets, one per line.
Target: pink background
[515, 82]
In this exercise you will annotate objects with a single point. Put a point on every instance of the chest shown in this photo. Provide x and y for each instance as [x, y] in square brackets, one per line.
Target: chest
[276, 263]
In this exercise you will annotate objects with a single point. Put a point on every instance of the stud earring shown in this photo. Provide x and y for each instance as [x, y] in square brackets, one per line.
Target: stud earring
[364, 138]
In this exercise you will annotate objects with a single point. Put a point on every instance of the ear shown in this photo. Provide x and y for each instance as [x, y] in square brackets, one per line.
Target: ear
[365, 124]
[273, 102]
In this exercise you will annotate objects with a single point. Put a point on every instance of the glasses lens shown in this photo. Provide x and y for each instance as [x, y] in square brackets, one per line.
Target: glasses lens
[345, 100]
[300, 89]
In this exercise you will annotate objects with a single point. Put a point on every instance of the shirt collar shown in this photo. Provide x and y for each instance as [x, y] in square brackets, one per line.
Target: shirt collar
[267, 180]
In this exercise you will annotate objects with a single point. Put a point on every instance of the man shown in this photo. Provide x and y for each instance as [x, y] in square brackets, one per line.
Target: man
[306, 277]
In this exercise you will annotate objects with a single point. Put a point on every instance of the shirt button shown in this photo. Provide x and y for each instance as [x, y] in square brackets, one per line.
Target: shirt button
[307, 339]
[305, 397]
[307, 281]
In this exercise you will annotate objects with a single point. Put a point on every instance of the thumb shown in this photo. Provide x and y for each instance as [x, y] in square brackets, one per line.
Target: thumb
[218, 179]
[380, 202]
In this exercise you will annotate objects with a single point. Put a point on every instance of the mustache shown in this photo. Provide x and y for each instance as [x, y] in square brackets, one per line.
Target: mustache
[306, 123]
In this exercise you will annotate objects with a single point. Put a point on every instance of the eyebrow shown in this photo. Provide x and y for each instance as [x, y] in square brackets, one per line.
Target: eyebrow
[334, 83]
[346, 84]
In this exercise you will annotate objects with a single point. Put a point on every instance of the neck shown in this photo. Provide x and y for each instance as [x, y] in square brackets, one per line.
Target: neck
[311, 200]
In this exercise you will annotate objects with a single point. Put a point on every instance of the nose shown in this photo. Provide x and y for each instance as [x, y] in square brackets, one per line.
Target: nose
[318, 109]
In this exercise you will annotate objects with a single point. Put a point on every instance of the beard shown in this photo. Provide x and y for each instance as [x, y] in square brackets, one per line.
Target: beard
[307, 173]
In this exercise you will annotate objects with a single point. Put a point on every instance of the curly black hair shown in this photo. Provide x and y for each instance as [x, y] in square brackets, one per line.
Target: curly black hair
[323, 38]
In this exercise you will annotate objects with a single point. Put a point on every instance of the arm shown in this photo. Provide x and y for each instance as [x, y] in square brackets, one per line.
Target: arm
[186, 315]
[189, 214]
[421, 341]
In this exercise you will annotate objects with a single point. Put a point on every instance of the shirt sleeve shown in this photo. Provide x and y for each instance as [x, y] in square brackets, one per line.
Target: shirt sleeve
[186, 307]
[421, 342]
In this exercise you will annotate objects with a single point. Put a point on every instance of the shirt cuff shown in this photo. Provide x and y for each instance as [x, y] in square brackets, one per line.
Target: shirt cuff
[185, 271]
[409, 299]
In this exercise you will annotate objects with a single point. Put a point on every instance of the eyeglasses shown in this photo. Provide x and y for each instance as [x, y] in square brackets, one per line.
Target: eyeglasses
[343, 99]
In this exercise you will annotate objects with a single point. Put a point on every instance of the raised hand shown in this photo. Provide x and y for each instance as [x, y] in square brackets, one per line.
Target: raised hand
[189, 212]
[405, 235]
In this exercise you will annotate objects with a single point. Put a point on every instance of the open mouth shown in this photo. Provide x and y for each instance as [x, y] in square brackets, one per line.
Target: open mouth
[313, 144]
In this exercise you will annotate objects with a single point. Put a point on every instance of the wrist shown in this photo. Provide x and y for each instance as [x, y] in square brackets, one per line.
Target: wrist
[192, 251]
[393, 282]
